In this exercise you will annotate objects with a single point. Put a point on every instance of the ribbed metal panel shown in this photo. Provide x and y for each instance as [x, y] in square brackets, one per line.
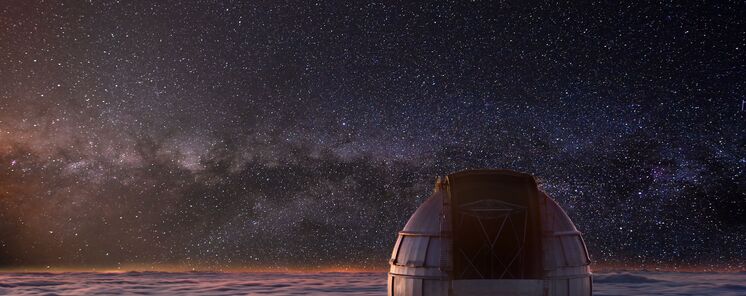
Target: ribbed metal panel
[412, 251]
[564, 245]
[407, 286]
[497, 287]
[435, 287]
[416, 264]
[565, 256]
[395, 252]
[426, 219]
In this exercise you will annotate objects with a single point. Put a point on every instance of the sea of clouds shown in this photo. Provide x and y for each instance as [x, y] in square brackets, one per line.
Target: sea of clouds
[203, 283]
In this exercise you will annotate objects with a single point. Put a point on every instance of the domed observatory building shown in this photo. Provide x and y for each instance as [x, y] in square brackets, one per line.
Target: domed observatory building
[489, 232]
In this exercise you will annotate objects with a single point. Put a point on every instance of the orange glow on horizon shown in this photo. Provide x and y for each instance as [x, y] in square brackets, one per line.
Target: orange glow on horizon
[596, 268]
[192, 268]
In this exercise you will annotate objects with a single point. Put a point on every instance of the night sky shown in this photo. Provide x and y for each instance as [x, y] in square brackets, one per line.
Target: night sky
[220, 134]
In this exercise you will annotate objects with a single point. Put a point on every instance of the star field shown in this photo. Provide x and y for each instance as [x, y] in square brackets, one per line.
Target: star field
[224, 134]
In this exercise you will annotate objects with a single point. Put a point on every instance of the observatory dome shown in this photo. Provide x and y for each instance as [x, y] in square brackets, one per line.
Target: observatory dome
[489, 232]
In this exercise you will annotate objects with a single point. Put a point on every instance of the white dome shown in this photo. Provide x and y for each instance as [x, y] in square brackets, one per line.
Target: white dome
[499, 204]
